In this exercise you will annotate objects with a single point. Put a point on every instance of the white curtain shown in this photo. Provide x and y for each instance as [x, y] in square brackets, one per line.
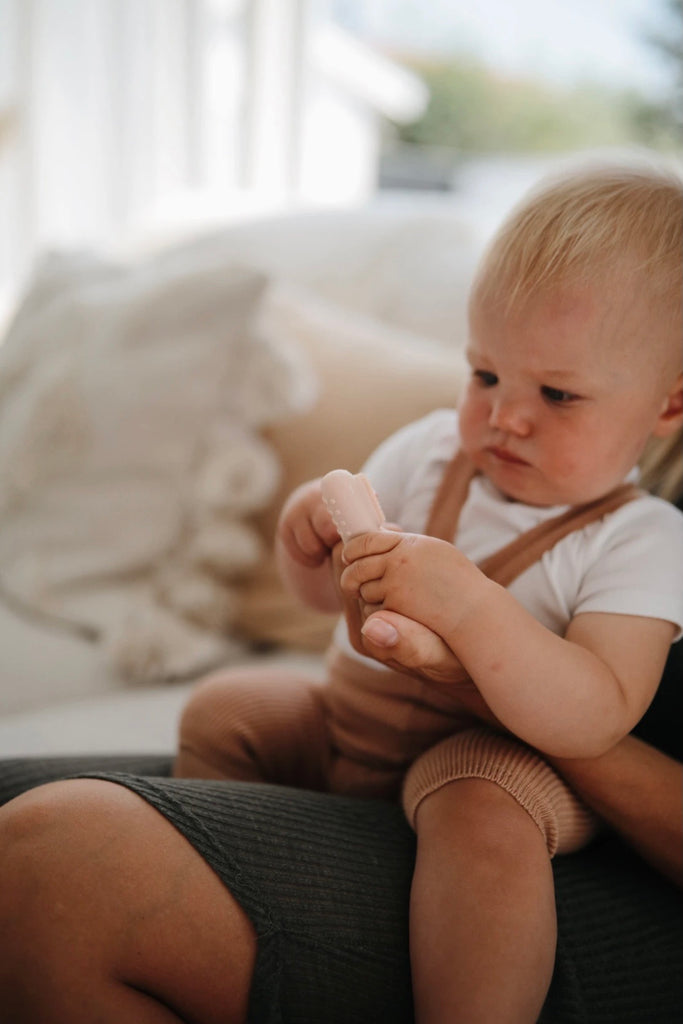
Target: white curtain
[109, 107]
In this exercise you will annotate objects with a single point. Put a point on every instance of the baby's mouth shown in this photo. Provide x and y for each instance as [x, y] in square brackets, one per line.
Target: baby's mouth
[507, 456]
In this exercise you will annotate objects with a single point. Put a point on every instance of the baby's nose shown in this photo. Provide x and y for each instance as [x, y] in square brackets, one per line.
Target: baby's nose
[510, 416]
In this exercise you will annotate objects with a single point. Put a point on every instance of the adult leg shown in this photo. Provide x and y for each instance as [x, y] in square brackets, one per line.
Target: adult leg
[254, 726]
[108, 914]
[482, 915]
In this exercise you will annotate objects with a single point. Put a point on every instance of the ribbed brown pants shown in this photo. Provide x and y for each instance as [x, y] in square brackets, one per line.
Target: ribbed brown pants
[243, 726]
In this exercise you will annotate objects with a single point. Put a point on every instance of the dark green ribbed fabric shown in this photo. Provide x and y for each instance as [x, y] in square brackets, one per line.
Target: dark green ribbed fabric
[325, 880]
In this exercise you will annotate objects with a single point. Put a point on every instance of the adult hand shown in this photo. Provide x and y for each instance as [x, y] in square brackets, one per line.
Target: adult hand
[408, 646]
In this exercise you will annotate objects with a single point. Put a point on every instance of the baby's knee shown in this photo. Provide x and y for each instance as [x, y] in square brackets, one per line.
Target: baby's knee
[503, 767]
[212, 702]
[479, 817]
[224, 725]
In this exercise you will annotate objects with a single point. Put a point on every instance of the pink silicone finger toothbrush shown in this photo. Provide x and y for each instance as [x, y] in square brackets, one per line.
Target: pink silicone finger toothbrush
[352, 503]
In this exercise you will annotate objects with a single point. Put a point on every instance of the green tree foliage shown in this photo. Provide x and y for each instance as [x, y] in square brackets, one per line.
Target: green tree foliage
[473, 109]
[669, 43]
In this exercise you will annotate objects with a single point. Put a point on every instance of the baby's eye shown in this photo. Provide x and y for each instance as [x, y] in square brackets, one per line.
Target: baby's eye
[485, 378]
[557, 396]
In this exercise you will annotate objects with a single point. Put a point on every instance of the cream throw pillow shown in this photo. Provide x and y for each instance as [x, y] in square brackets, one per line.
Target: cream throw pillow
[132, 400]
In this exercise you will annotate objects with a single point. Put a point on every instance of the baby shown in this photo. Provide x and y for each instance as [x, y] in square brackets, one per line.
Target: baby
[545, 584]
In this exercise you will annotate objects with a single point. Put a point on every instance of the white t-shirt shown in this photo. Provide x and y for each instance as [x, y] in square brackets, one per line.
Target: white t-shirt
[628, 562]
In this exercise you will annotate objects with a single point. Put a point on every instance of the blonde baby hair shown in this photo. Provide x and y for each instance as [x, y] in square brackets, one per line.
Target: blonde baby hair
[599, 223]
[585, 224]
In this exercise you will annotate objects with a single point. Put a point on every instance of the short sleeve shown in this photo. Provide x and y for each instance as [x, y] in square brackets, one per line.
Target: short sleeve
[634, 559]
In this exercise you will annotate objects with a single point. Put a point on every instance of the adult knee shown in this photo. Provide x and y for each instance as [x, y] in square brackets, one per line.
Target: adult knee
[44, 834]
[39, 842]
[31, 828]
[102, 900]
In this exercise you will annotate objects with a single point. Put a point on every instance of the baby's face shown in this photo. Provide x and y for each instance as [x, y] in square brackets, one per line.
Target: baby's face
[563, 395]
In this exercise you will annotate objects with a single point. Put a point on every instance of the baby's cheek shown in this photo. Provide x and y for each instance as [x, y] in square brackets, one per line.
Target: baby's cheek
[473, 417]
[571, 464]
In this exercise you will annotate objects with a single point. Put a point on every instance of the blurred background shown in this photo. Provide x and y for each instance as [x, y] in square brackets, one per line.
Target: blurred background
[149, 116]
[236, 242]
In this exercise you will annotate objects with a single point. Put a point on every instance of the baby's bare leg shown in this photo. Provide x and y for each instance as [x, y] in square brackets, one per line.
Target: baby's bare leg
[483, 927]
[254, 725]
[108, 914]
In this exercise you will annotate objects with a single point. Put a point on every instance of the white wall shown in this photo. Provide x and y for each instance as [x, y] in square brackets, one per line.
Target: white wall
[339, 148]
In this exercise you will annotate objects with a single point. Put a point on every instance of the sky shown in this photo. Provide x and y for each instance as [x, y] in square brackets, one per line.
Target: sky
[558, 40]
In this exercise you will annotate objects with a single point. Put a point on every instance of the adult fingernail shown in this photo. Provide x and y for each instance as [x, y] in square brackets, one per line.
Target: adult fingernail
[380, 632]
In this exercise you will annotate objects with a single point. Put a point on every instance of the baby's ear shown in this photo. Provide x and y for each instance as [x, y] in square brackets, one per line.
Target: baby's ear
[671, 415]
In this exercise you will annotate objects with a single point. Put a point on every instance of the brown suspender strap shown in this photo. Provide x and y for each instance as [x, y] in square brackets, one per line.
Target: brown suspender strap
[385, 718]
[450, 497]
[507, 564]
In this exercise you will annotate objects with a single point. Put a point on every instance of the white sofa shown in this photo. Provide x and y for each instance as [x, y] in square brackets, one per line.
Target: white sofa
[154, 412]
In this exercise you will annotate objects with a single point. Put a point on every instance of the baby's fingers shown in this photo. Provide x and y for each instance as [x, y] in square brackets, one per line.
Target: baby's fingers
[302, 543]
[378, 542]
[309, 537]
[356, 578]
[324, 528]
[372, 593]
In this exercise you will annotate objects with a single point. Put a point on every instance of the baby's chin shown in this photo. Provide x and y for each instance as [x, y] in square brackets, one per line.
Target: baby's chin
[531, 491]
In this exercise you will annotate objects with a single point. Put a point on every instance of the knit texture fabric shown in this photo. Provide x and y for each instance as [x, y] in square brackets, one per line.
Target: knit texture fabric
[326, 882]
[565, 823]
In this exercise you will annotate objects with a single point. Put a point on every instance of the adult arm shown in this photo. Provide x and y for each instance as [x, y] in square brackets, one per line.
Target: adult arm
[637, 790]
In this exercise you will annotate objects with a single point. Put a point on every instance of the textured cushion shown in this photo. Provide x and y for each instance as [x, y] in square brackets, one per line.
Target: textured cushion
[407, 264]
[132, 398]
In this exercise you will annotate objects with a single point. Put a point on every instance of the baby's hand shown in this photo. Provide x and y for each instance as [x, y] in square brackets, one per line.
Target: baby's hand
[305, 527]
[420, 577]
